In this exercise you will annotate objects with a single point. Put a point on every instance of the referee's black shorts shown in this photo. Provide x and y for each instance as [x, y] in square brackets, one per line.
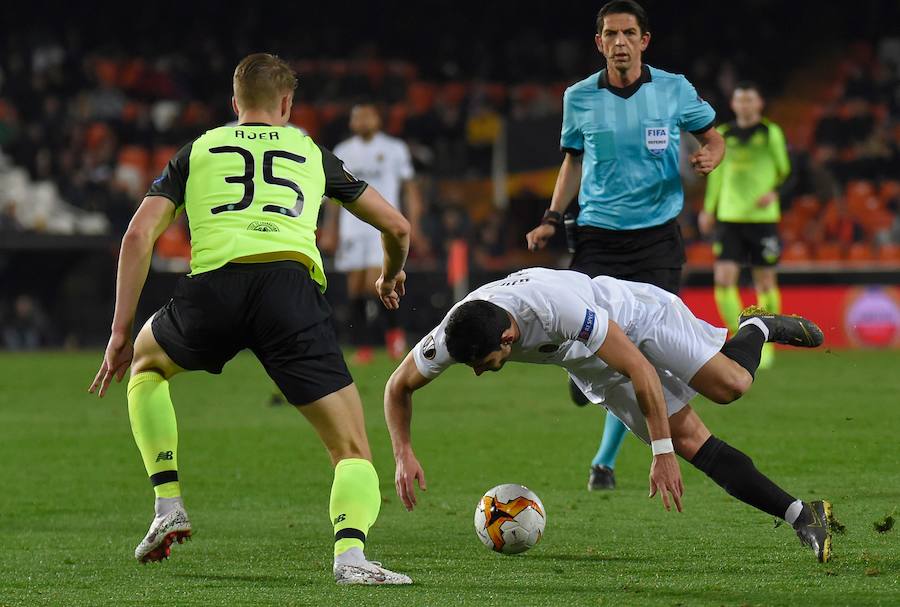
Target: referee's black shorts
[653, 255]
[275, 309]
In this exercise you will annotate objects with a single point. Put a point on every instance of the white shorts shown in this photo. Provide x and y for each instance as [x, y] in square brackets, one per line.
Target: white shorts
[359, 252]
[677, 344]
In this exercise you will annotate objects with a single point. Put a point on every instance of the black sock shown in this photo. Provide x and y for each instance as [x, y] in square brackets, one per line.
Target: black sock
[358, 333]
[390, 319]
[745, 347]
[735, 472]
[374, 327]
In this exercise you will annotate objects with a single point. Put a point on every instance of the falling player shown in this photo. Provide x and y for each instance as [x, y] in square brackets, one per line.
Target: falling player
[251, 193]
[632, 347]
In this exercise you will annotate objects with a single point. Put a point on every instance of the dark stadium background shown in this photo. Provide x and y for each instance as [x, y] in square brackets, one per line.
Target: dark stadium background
[95, 97]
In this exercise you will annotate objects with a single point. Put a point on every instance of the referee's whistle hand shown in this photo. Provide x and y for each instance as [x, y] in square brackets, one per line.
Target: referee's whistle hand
[538, 237]
[703, 162]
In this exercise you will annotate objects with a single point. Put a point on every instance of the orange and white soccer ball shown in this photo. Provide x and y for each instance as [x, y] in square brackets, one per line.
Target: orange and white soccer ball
[510, 519]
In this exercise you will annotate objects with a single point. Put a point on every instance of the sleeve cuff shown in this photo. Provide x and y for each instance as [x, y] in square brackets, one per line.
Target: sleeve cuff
[358, 194]
[164, 195]
[572, 151]
[711, 124]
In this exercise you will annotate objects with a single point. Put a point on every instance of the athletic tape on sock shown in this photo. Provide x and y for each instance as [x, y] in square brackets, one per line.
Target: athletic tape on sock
[756, 322]
[793, 512]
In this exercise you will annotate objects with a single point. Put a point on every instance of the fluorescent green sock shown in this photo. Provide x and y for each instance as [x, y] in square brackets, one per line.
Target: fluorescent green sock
[155, 430]
[355, 502]
[728, 301]
[771, 301]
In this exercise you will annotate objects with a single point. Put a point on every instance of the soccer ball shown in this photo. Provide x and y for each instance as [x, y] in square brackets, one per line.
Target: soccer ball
[510, 519]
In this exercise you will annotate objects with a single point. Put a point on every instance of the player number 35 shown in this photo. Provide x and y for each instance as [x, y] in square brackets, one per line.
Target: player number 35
[268, 176]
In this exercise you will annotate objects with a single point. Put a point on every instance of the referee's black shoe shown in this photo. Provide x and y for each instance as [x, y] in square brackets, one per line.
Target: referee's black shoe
[813, 527]
[788, 330]
[601, 478]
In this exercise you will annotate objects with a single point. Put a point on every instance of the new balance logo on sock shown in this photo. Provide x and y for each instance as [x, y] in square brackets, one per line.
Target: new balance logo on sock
[339, 519]
[164, 455]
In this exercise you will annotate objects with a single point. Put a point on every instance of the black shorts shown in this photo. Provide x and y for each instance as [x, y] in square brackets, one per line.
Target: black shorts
[274, 309]
[653, 255]
[755, 244]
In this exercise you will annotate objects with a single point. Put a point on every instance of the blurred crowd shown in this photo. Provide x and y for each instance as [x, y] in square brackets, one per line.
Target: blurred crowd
[91, 109]
[85, 126]
[845, 200]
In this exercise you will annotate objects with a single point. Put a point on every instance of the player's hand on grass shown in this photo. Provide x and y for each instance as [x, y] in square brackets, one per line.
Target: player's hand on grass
[665, 478]
[702, 161]
[538, 237]
[706, 222]
[390, 291]
[116, 361]
[766, 199]
[408, 471]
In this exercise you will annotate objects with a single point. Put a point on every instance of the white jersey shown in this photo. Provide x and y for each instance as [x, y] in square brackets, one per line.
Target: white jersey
[384, 163]
[563, 318]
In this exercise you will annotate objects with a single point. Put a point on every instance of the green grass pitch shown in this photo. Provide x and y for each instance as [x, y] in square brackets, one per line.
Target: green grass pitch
[75, 499]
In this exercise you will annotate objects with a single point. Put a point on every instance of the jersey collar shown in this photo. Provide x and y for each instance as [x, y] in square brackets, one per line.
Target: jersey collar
[744, 134]
[254, 124]
[628, 91]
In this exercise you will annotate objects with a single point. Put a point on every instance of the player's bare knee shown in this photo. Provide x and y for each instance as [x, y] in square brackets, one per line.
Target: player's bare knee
[734, 385]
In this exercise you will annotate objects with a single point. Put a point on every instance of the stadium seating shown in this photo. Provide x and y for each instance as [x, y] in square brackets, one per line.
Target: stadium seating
[134, 113]
[700, 254]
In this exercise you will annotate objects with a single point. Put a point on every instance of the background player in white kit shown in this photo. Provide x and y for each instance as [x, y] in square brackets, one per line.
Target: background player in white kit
[631, 347]
[384, 162]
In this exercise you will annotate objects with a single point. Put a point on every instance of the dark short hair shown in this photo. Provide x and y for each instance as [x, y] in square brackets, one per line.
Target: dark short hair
[748, 85]
[474, 329]
[628, 7]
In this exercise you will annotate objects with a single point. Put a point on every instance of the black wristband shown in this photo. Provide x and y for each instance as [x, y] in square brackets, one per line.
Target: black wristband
[551, 217]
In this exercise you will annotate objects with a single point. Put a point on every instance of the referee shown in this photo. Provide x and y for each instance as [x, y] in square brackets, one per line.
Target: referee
[620, 134]
[742, 208]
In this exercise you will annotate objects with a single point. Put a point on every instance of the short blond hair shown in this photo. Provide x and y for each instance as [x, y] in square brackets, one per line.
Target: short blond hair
[261, 79]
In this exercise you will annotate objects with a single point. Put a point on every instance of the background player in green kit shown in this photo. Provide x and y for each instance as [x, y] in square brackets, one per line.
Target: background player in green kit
[252, 194]
[741, 195]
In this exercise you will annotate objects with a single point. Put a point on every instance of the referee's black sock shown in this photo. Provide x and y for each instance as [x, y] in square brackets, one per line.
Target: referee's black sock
[745, 347]
[734, 471]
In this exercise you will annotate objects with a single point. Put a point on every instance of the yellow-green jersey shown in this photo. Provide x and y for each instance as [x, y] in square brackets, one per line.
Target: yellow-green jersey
[756, 163]
[252, 193]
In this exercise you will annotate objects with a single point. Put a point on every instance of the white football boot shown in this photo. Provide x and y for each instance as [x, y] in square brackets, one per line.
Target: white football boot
[166, 529]
[351, 567]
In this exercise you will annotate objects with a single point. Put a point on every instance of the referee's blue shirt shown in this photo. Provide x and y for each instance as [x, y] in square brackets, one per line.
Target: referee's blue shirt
[629, 138]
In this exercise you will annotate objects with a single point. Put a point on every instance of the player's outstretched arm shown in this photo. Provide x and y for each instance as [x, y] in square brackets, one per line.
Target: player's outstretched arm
[372, 208]
[568, 182]
[623, 356]
[149, 221]
[405, 380]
